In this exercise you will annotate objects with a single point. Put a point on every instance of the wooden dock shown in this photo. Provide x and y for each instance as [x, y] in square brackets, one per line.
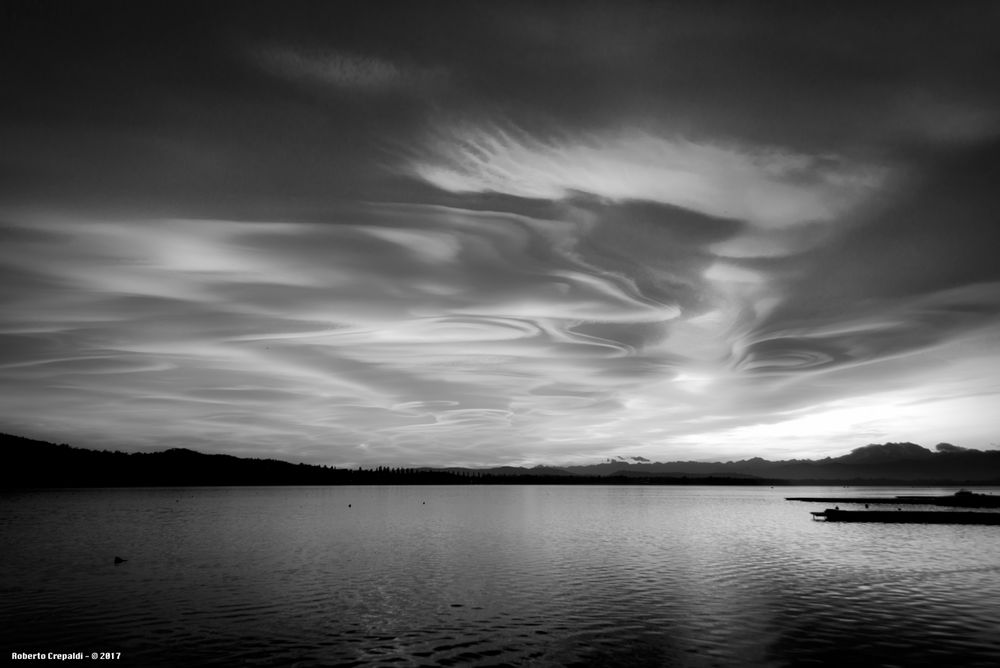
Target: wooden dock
[961, 499]
[908, 516]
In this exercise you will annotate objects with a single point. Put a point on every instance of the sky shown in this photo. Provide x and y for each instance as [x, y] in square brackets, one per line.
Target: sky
[500, 233]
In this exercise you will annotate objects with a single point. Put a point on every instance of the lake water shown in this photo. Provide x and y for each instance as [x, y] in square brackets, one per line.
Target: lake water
[490, 575]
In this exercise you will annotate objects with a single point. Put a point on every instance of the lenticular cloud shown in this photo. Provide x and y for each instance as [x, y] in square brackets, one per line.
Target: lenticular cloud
[769, 187]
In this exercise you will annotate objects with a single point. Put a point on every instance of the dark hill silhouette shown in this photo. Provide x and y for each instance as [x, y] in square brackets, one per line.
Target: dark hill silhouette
[32, 463]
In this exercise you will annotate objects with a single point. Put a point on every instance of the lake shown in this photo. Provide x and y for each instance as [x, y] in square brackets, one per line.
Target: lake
[490, 575]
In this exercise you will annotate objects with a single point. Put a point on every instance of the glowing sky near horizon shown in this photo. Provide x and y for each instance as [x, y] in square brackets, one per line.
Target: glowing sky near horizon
[521, 233]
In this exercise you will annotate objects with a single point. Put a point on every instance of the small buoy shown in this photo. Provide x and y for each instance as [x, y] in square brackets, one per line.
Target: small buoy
[348, 505]
[119, 560]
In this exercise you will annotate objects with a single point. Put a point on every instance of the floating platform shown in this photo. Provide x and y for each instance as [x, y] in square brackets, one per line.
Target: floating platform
[907, 516]
[962, 499]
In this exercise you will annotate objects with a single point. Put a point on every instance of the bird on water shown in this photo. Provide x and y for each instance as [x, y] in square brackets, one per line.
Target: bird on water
[119, 560]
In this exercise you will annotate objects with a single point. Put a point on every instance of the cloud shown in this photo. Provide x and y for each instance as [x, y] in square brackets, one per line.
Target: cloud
[353, 324]
[343, 70]
[918, 272]
[494, 236]
[427, 334]
[768, 186]
[435, 334]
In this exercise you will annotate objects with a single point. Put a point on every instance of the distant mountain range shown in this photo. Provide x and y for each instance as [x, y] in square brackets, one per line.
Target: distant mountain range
[31, 463]
[889, 461]
[877, 461]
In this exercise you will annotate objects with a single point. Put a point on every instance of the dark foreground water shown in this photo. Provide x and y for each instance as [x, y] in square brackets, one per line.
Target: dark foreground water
[482, 575]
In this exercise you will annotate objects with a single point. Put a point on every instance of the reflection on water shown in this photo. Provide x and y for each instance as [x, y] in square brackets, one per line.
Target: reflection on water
[587, 576]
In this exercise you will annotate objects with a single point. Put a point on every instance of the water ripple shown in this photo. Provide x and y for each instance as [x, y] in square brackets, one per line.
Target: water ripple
[518, 576]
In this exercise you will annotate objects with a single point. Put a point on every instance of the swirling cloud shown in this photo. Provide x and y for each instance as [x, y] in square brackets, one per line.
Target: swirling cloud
[430, 333]
[770, 187]
[351, 312]
[484, 236]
